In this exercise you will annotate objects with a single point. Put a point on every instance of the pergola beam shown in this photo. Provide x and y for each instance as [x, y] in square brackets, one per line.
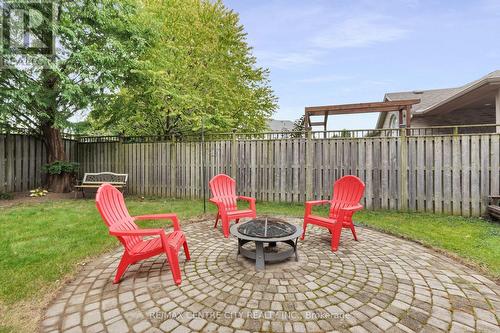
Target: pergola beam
[399, 106]
[317, 123]
[355, 111]
[395, 105]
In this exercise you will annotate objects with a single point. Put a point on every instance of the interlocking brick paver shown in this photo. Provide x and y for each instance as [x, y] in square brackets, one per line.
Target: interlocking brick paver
[91, 317]
[71, 320]
[380, 284]
[96, 328]
[141, 326]
[436, 322]
[119, 326]
[483, 326]
[181, 329]
[485, 316]
[197, 324]
[358, 329]
[459, 328]
[381, 323]
[464, 318]
[169, 325]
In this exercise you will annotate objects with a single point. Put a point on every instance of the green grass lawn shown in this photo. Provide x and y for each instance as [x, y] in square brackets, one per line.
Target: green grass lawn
[42, 244]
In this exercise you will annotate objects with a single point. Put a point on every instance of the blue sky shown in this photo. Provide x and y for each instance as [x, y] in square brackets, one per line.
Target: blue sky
[334, 52]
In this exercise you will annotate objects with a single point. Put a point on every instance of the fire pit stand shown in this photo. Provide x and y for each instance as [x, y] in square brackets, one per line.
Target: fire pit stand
[266, 231]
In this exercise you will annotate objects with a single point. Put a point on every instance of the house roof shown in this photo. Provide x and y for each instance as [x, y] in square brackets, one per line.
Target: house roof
[431, 100]
[279, 125]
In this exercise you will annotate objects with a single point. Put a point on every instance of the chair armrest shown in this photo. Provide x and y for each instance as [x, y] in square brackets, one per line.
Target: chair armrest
[218, 203]
[242, 197]
[309, 205]
[221, 207]
[171, 217]
[138, 232]
[214, 201]
[352, 208]
[250, 200]
[317, 202]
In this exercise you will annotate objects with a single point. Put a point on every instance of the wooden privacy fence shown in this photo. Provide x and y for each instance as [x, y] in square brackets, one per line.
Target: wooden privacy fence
[21, 160]
[442, 173]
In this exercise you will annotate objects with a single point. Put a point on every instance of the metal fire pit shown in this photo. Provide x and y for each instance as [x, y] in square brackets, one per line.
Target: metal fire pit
[266, 231]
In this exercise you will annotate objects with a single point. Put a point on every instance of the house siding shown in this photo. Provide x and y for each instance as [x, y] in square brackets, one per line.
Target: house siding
[457, 117]
[387, 119]
[460, 117]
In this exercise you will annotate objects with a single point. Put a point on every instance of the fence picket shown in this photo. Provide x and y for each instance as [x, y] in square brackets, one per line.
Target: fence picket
[438, 174]
[475, 173]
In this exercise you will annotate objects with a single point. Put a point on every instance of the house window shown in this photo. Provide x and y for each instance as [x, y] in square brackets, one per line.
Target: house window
[393, 122]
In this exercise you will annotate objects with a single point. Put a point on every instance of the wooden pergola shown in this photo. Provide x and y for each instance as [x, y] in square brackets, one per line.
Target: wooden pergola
[400, 106]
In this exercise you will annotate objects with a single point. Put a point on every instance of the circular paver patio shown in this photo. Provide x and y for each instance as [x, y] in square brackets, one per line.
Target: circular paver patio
[381, 283]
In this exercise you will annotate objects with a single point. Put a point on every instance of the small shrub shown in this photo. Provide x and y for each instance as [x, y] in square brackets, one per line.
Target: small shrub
[38, 192]
[6, 196]
[60, 167]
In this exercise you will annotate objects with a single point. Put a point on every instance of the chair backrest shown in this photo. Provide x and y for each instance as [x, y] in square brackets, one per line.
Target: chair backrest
[347, 191]
[111, 206]
[223, 188]
[105, 177]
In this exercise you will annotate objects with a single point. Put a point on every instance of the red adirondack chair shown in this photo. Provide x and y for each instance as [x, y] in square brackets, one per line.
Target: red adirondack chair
[347, 192]
[110, 203]
[223, 190]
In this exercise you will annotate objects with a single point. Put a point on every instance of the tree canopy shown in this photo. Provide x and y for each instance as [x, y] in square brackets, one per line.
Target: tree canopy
[196, 67]
[92, 46]
[96, 44]
[136, 67]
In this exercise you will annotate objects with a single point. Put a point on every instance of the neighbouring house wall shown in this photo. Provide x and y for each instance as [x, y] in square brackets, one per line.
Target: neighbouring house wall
[458, 117]
[497, 110]
[388, 117]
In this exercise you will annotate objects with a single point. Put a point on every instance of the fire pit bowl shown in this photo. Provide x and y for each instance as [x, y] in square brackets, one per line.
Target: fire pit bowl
[269, 231]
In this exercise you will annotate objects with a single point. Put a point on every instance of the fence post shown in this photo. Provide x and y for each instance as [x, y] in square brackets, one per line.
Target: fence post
[120, 155]
[234, 155]
[173, 168]
[204, 167]
[9, 140]
[403, 167]
[309, 152]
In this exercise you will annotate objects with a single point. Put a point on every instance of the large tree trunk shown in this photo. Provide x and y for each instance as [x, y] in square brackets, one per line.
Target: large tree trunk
[55, 152]
[54, 143]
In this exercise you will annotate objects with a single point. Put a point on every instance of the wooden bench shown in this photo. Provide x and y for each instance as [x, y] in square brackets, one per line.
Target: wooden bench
[494, 206]
[94, 180]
